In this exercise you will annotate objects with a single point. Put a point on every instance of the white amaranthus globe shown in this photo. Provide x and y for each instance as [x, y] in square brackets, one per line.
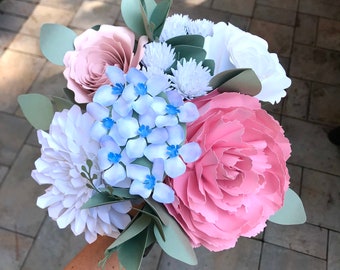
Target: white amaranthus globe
[64, 150]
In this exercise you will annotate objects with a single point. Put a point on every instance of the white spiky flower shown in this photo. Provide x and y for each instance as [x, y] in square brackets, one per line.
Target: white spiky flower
[159, 56]
[191, 79]
[200, 27]
[65, 149]
[174, 26]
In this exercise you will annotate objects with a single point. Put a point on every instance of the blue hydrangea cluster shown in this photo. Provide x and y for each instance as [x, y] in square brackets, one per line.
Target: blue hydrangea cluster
[140, 126]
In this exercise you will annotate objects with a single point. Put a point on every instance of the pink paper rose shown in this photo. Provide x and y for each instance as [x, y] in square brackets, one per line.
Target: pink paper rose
[94, 51]
[241, 177]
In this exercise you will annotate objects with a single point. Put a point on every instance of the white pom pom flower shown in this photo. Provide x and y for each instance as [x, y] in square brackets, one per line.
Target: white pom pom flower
[65, 149]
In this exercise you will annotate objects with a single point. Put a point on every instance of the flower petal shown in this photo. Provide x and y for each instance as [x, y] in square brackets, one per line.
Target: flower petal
[188, 112]
[138, 188]
[137, 172]
[135, 148]
[114, 174]
[174, 167]
[163, 193]
[190, 152]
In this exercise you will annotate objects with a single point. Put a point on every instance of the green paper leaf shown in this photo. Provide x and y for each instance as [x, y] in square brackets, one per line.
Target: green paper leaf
[122, 192]
[37, 109]
[61, 103]
[159, 210]
[136, 226]
[176, 244]
[147, 210]
[55, 41]
[101, 198]
[292, 212]
[243, 80]
[130, 253]
[187, 52]
[148, 6]
[70, 95]
[132, 16]
[159, 15]
[192, 40]
[210, 64]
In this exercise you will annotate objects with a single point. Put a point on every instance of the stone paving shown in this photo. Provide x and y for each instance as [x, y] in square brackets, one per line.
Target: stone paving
[306, 36]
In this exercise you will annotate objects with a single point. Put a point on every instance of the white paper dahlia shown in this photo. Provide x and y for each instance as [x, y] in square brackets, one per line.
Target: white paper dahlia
[64, 150]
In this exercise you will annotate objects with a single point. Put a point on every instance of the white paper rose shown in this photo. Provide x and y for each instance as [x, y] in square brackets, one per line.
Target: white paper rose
[230, 47]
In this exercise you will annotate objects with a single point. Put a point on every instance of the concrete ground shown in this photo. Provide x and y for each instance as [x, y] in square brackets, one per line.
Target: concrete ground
[306, 36]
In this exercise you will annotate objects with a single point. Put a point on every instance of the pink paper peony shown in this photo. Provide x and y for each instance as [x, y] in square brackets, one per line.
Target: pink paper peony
[94, 51]
[241, 177]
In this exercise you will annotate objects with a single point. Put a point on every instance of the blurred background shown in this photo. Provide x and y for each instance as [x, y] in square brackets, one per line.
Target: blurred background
[306, 36]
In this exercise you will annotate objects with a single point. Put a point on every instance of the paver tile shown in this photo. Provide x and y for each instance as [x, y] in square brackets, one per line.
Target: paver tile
[13, 249]
[279, 258]
[18, 195]
[11, 22]
[306, 29]
[43, 14]
[310, 146]
[62, 4]
[18, 77]
[321, 197]
[92, 13]
[3, 171]
[17, 7]
[150, 262]
[287, 4]
[275, 15]
[53, 247]
[244, 7]
[333, 262]
[324, 104]
[14, 131]
[322, 8]
[278, 36]
[244, 256]
[329, 34]
[26, 44]
[305, 238]
[315, 64]
[241, 22]
[295, 173]
[5, 38]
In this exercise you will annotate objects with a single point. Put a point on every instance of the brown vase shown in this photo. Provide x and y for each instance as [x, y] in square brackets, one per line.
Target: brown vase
[90, 255]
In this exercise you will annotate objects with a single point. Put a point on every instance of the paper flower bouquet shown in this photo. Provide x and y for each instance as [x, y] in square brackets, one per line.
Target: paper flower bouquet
[162, 137]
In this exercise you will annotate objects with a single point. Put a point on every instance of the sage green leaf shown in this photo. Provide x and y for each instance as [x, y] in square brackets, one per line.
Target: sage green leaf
[55, 41]
[132, 16]
[130, 253]
[96, 27]
[149, 211]
[147, 26]
[192, 40]
[292, 211]
[210, 64]
[100, 198]
[70, 95]
[159, 15]
[242, 80]
[122, 192]
[137, 226]
[176, 244]
[61, 103]
[37, 109]
[188, 51]
[148, 6]
[159, 210]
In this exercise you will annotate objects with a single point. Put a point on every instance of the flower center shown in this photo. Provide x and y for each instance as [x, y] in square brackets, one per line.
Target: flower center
[117, 89]
[171, 109]
[144, 131]
[149, 182]
[173, 150]
[114, 157]
[141, 89]
[108, 123]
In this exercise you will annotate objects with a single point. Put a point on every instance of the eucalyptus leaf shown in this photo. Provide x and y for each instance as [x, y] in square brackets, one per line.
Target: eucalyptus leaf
[188, 51]
[61, 103]
[122, 192]
[192, 40]
[159, 210]
[210, 64]
[176, 244]
[101, 198]
[148, 6]
[292, 211]
[132, 16]
[55, 41]
[37, 109]
[130, 253]
[242, 80]
[149, 211]
[148, 28]
[137, 226]
[159, 15]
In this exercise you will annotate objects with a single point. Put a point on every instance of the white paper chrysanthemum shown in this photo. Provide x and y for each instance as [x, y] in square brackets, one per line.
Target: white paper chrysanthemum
[158, 55]
[174, 26]
[64, 150]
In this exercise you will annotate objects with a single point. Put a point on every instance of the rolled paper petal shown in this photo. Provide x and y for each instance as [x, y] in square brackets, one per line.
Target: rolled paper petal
[121, 222]
[135, 148]
[115, 174]
[190, 152]
[138, 188]
[137, 172]
[163, 193]
[66, 218]
[188, 112]
[174, 167]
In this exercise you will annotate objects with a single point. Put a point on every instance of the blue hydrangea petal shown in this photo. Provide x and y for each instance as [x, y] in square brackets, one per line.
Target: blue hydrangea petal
[188, 112]
[190, 152]
[115, 75]
[142, 104]
[137, 172]
[124, 183]
[104, 95]
[108, 142]
[176, 134]
[158, 136]
[157, 84]
[135, 148]
[158, 169]
[138, 188]
[97, 131]
[119, 140]
[154, 151]
[166, 120]
[115, 174]
[103, 161]
[159, 105]
[163, 193]
[174, 167]
[127, 127]
[135, 76]
[175, 98]
[97, 111]
[129, 93]
[122, 107]
[148, 118]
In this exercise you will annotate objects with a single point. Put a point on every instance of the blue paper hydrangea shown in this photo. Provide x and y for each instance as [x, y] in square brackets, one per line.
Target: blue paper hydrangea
[140, 125]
